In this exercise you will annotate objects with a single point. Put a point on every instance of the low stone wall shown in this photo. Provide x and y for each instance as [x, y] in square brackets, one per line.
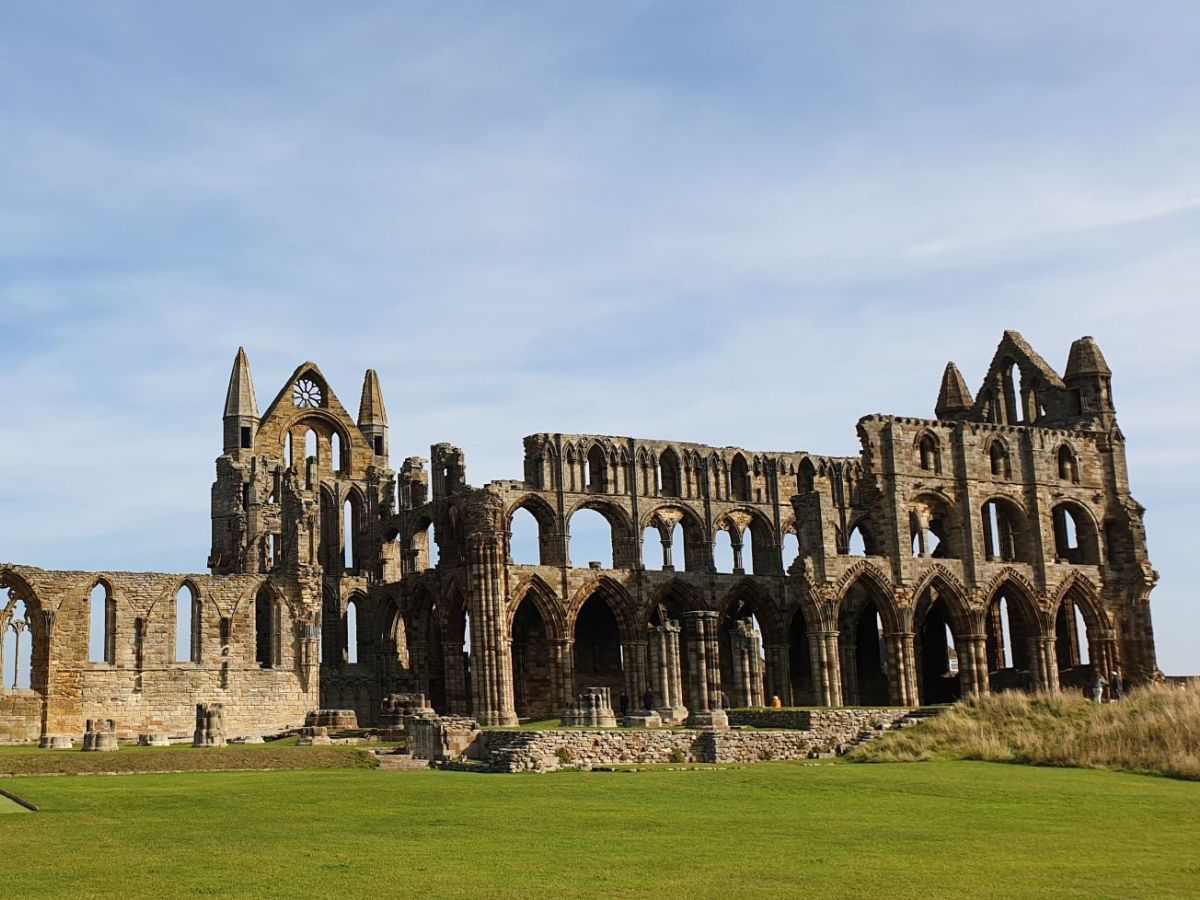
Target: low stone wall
[836, 724]
[823, 731]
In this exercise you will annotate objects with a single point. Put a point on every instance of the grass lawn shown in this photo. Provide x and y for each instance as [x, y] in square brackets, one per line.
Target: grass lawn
[772, 829]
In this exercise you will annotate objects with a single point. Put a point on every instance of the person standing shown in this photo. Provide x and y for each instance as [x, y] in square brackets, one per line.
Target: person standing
[1098, 686]
[1116, 685]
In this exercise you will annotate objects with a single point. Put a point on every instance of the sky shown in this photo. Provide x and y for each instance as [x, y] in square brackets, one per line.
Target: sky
[744, 224]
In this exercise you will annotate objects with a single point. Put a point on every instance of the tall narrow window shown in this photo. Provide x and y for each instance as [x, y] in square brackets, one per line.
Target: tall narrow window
[18, 650]
[187, 625]
[102, 645]
[349, 524]
[265, 636]
[1068, 465]
[310, 444]
[352, 633]
[739, 478]
[335, 452]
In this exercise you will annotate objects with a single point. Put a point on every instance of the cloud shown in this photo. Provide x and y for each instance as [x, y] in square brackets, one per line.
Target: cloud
[709, 223]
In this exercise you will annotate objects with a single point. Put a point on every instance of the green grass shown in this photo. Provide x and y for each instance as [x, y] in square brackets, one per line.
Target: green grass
[27, 760]
[767, 830]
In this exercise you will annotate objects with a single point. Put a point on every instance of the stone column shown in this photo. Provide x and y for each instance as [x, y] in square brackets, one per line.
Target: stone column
[747, 687]
[636, 675]
[901, 667]
[456, 678]
[664, 675]
[826, 671]
[704, 674]
[972, 665]
[491, 662]
[849, 662]
[561, 683]
[778, 674]
[1044, 664]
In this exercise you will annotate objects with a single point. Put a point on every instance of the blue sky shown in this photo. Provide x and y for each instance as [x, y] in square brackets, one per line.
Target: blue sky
[732, 223]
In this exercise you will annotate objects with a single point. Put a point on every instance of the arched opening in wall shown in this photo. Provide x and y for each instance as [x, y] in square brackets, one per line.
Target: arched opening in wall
[791, 549]
[352, 633]
[102, 609]
[592, 538]
[351, 526]
[1000, 461]
[936, 645]
[533, 694]
[433, 670]
[670, 474]
[524, 544]
[679, 551]
[1010, 626]
[1068, 465]
[723, 556]
[741, 657]
[669, 670]
[1072, 650]
[739, 478]
[800, 667]
[187, 624]
[1003, 531]
[335, 453]
[653, 551]
[717, 488]
[929, 454]
[861, 541]
[597, 470]
[310, 445]
[18, 647]
[865, 675]
[289, 454]
[933, 523]
[598, 657]
[266, 628]
[1076, 538]
[806, 477]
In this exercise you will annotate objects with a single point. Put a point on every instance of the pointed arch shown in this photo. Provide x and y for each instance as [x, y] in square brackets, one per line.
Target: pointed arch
[535, 590]
[670, 473]
[617, 599]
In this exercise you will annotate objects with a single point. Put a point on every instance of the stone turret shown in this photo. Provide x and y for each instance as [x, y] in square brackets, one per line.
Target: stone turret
[954, 399]
[241, 408]
[1089, 377]
[372, 416]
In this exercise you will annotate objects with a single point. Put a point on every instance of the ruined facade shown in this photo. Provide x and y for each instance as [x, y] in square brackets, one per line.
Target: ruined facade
[996, 545]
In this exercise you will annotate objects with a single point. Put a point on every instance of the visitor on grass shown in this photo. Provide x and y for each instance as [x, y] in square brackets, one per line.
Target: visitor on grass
[648, 699]
[724, 699]
[1116, 688]
[776, 703]
[1098, 687]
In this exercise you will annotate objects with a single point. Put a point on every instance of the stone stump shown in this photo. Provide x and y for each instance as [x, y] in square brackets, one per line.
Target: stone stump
[332, 718]
[101, 735]
[210, 725]
[441, 737]
[592, 708]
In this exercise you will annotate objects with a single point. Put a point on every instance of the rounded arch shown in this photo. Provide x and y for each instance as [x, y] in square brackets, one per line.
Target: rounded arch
[1076, 533]
[999, 457]
[928, 449]
[1005, 529]
[546, 519]
[766, 554]
[619, 524]
[935, 527]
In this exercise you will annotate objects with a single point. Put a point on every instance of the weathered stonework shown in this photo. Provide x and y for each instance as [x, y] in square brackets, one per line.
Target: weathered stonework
[950, 557]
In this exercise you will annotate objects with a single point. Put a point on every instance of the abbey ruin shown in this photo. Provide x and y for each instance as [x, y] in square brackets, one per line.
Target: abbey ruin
[993, 546]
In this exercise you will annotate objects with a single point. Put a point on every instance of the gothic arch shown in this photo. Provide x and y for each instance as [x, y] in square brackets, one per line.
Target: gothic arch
[618, 600]
[541, 595]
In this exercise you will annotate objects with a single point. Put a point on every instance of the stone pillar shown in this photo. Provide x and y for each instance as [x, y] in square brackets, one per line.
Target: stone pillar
[704, 673]
[973, 665]
[747, 687]
[1044, 664]
[849, 662]
[826, 669]
[456, 678]
[561, 683]
[636, 674]
[491, 662]
[664, 676]
[902, 678]
[778, 674]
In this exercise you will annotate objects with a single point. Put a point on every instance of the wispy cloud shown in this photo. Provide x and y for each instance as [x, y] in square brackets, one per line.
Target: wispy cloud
[740, 225]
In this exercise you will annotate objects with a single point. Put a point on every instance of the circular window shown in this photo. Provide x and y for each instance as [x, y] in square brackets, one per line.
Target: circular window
[306, 393]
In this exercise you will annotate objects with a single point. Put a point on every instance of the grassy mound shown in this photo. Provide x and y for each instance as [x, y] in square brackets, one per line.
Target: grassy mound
[1155, 730]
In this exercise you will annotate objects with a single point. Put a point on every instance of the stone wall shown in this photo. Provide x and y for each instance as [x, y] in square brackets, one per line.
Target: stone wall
[546, 751]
